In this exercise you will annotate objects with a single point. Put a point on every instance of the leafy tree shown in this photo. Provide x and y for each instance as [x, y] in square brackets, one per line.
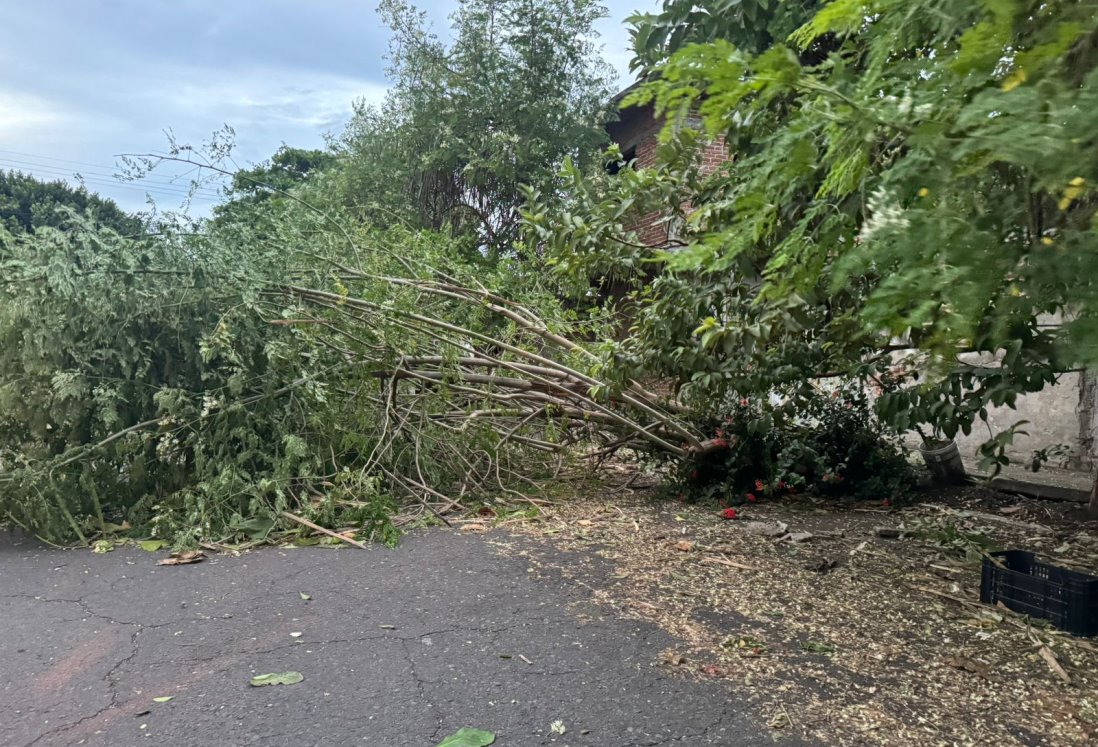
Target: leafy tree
[919, 199]
[27, 203]
[286, 169]
[751, 25]
[468, 124]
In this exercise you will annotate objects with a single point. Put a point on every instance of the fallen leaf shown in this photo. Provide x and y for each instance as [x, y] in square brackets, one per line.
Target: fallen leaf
[183, 558]
[815, 647]
[102, 546]
[966, 664]
[151, 545]
[585, 523]
[277, 678]
[305, 597]
[557, 727]
[684, 546]
[766, 528]
[673, 658]
[474, 528]
[388, 627]
[468, 738]
[295, 635]
[163, 699]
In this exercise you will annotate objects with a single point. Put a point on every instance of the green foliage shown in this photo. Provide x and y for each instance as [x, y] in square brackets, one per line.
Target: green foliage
[201, 380]
[286, 169]
[27, 203]
[126, 391]
[468, 124]
[751, 25]
[911, 202]
[826, 442]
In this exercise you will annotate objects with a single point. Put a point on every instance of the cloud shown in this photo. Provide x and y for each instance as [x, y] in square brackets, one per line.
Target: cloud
[22, 114]
[114, 76]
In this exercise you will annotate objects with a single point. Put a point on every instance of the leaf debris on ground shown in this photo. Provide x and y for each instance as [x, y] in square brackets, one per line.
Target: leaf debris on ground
[276, 678]
[912, 657]
[183, 558]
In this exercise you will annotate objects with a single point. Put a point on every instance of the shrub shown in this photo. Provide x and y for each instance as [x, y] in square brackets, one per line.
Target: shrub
[825, 442]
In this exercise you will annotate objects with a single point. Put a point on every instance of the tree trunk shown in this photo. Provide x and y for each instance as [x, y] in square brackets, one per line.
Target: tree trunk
[1094, 497]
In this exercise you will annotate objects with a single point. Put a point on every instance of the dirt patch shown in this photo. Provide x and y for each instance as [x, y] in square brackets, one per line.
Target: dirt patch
[844, 637]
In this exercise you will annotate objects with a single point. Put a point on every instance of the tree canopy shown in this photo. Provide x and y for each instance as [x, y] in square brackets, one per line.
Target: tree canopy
[915, 197]
[469, 123]
[27, 203]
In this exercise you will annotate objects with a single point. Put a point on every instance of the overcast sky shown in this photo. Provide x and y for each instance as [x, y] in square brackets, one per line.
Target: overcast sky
[84, 80]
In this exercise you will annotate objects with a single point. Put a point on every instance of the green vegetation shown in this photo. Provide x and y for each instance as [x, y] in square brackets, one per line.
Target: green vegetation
[911, 201]
[467, 125]
[406, 324]
[27, 203]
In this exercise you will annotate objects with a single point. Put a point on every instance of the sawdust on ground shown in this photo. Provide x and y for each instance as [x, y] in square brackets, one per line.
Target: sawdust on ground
[843, 637]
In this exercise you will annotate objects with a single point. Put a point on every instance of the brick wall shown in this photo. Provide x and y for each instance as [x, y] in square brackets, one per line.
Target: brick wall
[636, 135]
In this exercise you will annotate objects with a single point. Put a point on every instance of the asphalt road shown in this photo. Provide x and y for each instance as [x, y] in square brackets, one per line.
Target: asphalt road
[397, 647]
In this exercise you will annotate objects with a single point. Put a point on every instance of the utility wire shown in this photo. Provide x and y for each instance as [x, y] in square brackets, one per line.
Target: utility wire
[26, 165]
[155, 187]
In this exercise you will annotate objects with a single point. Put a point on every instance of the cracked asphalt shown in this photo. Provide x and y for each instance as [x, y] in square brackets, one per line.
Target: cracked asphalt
[397, 647]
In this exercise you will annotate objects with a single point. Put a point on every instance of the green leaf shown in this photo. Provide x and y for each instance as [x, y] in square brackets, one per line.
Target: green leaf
[162, 699]
[102, 546]
[277, 678]
[467, 737]
[304, 596]
[151, 545]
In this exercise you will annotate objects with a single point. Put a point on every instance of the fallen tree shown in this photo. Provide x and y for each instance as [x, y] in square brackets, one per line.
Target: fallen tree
[202, 385]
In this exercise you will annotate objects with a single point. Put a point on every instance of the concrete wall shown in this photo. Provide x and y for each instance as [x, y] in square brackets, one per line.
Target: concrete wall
[1055, 416]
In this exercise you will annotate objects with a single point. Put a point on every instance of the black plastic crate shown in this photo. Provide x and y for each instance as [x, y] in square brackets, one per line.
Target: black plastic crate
[1067, 599]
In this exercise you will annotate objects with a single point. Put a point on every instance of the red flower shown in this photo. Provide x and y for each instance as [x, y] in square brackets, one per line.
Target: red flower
[751, 498]
[781, 484]
[729, 513]
[744, 402]
[720, 443]
[759, 485]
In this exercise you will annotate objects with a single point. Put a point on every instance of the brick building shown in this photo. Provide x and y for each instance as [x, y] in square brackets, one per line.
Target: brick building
[636, 133]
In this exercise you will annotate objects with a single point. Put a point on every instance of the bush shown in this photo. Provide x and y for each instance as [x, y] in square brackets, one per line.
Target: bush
[828, 443]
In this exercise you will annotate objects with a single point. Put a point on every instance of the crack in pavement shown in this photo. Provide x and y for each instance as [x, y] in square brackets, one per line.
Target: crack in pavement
[421, 688]
[112, 689]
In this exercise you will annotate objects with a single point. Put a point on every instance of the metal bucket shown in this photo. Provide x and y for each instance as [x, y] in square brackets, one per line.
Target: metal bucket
[944, 463]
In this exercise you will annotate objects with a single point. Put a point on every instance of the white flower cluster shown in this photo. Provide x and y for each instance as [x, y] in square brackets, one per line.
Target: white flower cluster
[884, 211]
[209, 404]
[169, 449]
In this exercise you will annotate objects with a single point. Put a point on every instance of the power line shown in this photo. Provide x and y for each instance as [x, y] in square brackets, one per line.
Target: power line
[171, 184]
[38, 157]
[154, 187]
